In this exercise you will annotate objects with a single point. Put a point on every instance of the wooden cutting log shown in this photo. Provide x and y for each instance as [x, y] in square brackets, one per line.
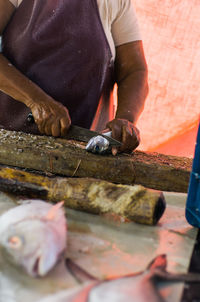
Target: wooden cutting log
[69, 158]
[135, 203]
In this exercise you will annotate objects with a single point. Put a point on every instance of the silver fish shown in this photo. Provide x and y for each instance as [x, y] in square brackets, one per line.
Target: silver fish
[99, 144]
[33, 236]
[138, 287]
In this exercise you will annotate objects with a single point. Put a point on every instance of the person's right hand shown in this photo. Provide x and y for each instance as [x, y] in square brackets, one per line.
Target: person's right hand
[51, 117]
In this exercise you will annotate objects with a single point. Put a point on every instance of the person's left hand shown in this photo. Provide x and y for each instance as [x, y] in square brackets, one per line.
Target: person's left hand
[125, 132]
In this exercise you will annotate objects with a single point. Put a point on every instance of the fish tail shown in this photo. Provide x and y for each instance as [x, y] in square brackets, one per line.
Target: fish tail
[158, 269]
[159, 262]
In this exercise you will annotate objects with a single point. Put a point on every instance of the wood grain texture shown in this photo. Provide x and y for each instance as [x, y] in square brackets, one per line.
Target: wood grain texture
[134, 203]
[69, 158]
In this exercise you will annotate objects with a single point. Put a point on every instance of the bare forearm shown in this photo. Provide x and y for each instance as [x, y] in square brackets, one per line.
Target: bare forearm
[131, 77]
[132, 92]
[12, 81]
[18, 86]
[51, 117]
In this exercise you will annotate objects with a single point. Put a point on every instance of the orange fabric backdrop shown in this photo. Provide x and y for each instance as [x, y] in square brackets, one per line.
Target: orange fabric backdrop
[170, 31]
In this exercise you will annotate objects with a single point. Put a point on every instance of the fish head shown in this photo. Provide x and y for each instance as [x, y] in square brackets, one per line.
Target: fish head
[36, 245]
[98, 144]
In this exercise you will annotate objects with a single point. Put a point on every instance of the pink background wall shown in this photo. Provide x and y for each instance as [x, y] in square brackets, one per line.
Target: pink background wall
[171, 37]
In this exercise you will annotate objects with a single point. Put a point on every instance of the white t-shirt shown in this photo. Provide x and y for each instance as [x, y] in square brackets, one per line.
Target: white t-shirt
[118, 19]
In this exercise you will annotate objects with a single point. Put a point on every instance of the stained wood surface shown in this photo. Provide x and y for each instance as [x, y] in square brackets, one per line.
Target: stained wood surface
[69, 158]
[95, 196]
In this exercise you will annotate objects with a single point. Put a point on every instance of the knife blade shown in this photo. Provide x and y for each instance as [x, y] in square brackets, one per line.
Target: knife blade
[84, 135]
[81, 134]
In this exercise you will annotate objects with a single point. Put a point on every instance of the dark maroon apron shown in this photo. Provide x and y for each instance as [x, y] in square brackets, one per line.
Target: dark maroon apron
[62, 47]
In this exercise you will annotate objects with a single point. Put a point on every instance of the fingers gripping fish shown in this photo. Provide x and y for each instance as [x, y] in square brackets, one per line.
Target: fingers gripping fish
[33, 236]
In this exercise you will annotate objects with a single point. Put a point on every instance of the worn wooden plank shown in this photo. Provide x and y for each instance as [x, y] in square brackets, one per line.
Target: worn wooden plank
[69, 158]
[95, 196]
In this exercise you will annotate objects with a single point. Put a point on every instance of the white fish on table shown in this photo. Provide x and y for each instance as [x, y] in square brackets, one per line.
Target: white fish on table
[138, 287]
[33, 236]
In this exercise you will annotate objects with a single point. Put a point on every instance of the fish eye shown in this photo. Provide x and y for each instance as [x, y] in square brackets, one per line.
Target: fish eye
[15, 242]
